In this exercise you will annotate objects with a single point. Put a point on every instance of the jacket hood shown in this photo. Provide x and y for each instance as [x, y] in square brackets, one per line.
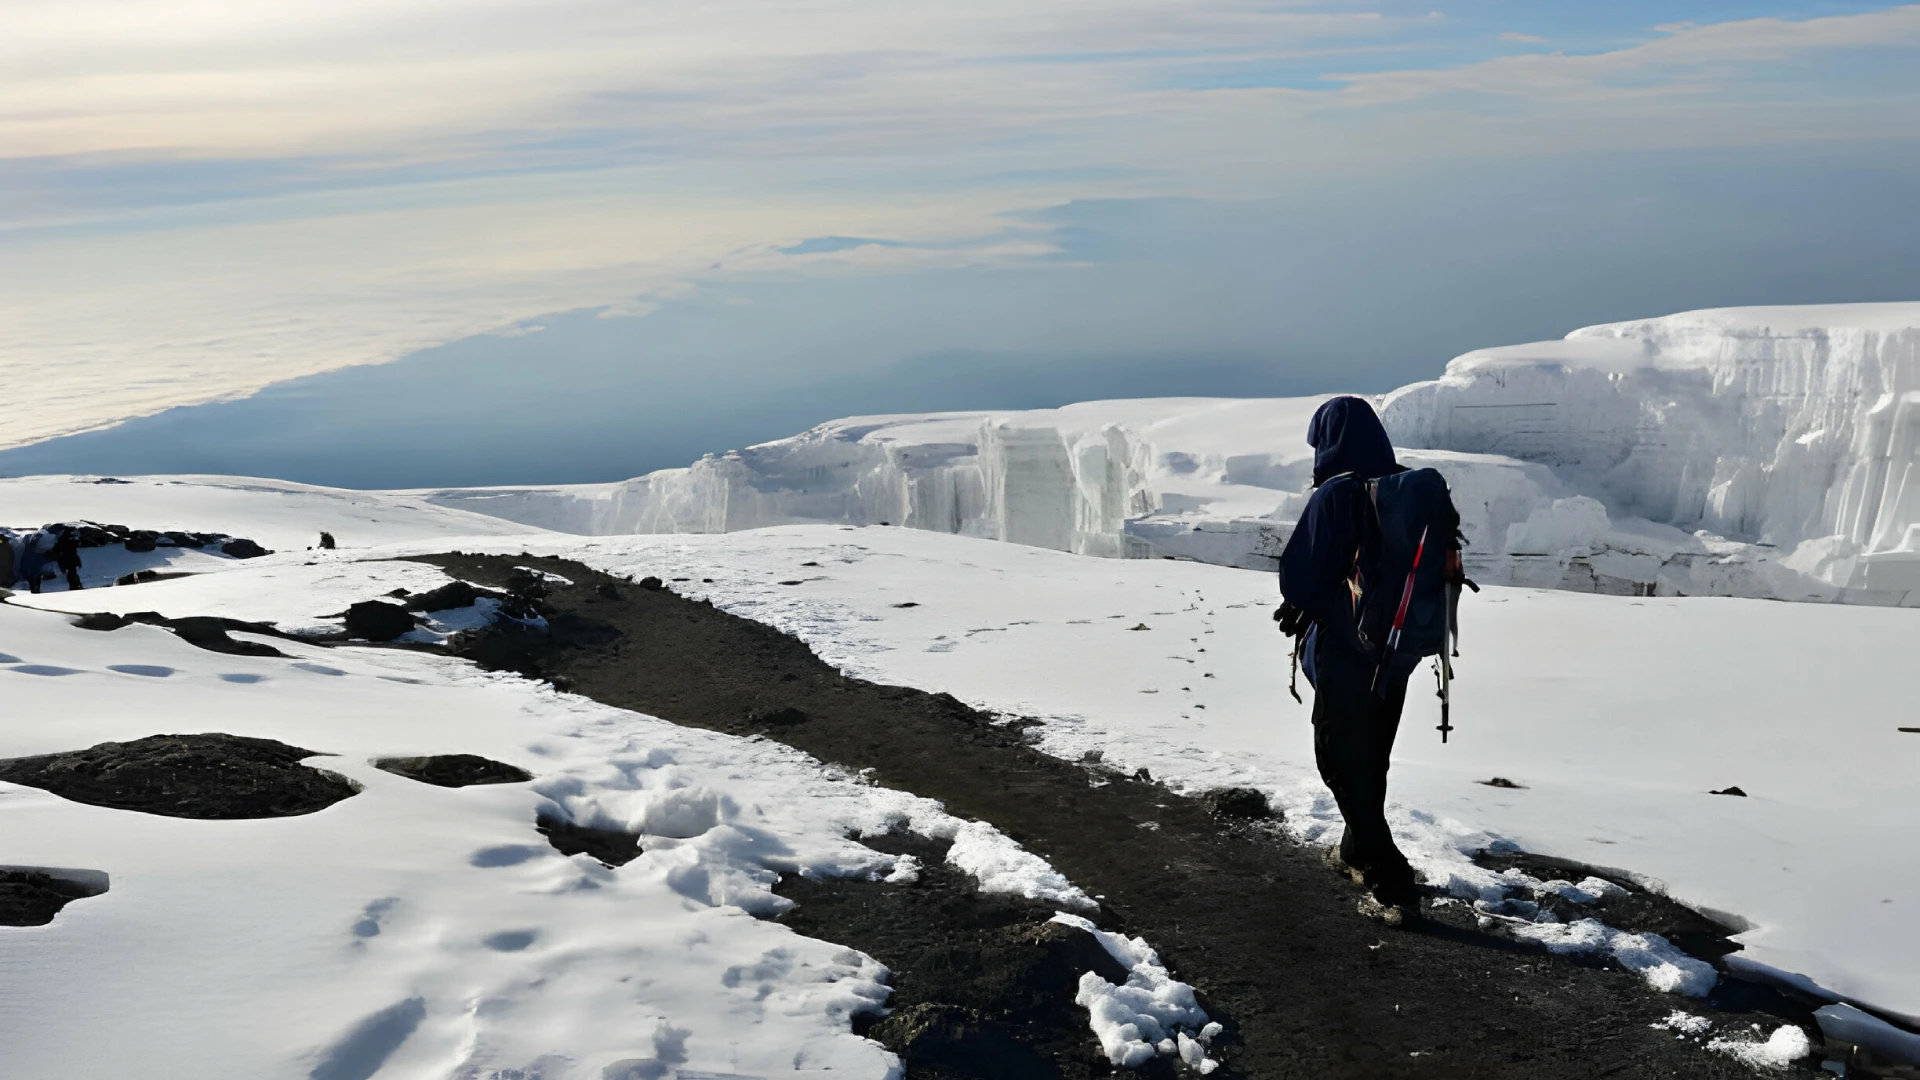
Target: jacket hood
[1347, 436]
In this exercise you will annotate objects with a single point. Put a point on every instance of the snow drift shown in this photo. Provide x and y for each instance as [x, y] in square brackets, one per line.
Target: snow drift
[1769, 452]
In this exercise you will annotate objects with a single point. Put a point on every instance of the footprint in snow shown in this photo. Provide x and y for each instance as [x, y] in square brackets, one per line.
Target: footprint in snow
[320, 669]
[509, 940]
[243, 678]
[151, 671]
[45, 669]
[505, 855]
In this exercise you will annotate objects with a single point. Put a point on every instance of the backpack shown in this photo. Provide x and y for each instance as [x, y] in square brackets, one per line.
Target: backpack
[1406, 614]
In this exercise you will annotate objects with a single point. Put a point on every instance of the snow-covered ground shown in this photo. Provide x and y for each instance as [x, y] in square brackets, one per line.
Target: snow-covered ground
[414, 930]
[1617, 715]
[278, 514]
[1769, 452]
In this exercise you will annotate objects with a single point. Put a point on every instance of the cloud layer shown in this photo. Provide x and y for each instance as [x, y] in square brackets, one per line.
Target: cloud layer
[200, 198]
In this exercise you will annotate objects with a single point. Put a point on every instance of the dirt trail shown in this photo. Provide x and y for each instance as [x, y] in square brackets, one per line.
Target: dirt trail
[1268, 936]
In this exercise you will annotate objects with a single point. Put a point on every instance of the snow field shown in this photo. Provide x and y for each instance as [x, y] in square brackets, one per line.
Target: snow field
[278, 514]
[413, 930]
[1616, 715]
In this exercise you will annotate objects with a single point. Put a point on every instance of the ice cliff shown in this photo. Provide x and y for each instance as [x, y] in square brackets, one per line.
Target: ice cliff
[1751, 451]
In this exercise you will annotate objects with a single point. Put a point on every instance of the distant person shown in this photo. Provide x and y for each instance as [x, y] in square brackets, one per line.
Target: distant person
[326, 541]
[66, 556]
[33, 557]
[8, 564]
[1348, 583]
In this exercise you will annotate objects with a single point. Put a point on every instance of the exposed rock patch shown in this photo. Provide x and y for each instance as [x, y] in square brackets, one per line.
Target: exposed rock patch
[1237, 802]
[454, 594]
[30, 896]
[613, 847]
[377, 620]
[213, 776]
[984, 984]
[200, 631]
[454, 770]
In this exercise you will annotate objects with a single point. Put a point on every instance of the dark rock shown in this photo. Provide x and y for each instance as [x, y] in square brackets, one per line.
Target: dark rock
[613, 847]
[112, 480]
[607, 591]
[326, 541]
[136, 577]
[400, 593]
[1502, 782]
[184, 539]
[1141, 774]
[1729, 791]
[908, 604]
[206, 632]
[243, 548]
[652, 583]
[454, 770]
[1237, 802]
[200, 631]
[32, 897]
[796, 582]
[87, 535]
[783, 715]
[377, 620]
[213, 776]
[454, 594]
[142, 540]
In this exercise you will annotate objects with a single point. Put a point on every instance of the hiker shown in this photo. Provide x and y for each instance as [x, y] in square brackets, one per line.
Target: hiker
[8, 561]
[66, 555]
[1332, 582]
[33, 557]
[326, 541]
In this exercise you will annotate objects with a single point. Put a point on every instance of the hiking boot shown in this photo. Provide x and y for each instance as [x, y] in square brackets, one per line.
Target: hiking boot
[1339, 865]
[1394, 915]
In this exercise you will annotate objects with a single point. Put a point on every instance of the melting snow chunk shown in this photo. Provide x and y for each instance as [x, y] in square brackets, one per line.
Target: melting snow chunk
[1683, 1022]
[1151, 1015]
[1787, 1045]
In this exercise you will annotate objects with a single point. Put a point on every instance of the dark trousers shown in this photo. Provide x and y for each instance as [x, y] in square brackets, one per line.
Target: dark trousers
[1353, 732]
[73, 578]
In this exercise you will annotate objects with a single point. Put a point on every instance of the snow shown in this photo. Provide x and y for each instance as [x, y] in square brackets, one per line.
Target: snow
[1785, 1046]
[1684, 1023]
[1762, 452]
[278, 514]
[1151, 1014]
[416, 930]
[1616, 714]
[1004, 867]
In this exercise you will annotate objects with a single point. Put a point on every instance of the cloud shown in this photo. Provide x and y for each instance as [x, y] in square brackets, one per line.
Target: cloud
[1530, 39]
[1688, 59]
[201, 197]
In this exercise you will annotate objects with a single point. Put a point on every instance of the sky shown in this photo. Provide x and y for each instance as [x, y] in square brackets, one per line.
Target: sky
[584, 238]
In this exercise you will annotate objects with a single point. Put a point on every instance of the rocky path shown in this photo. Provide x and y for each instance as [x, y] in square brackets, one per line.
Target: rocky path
[1269, 937]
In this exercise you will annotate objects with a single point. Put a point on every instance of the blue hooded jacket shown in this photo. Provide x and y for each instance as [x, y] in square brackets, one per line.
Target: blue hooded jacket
[1327, 548]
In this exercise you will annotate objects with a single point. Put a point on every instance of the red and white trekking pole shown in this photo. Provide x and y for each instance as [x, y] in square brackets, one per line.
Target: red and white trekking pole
[1400, 616]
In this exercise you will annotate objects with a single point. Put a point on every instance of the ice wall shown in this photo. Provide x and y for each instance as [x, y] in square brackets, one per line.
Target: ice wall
[1749, 452]
[1793, 430]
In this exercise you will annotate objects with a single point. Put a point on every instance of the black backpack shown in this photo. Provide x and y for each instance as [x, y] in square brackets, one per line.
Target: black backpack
[1406, 613]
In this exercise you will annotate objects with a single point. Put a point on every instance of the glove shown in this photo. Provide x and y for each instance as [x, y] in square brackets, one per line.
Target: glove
[1293, 622]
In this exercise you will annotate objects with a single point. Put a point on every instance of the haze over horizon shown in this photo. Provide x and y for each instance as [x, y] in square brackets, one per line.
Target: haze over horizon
[593, 240]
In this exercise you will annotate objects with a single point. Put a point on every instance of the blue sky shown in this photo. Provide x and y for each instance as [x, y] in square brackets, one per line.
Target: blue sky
[1066, 199]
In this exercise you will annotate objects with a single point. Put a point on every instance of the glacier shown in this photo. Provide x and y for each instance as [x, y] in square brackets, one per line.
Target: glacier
[1761, 452]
